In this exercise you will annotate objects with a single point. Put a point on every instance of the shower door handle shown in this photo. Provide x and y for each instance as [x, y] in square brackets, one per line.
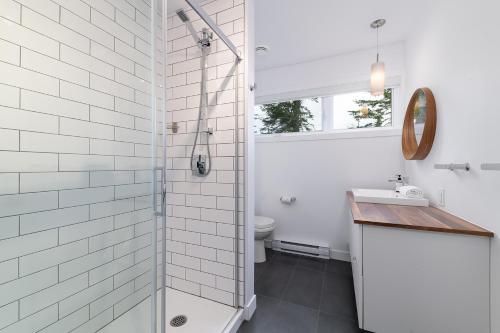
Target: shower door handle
[162, 210]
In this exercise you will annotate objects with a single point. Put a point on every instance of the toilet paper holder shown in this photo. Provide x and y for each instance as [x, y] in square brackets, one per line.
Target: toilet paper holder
[287, 200]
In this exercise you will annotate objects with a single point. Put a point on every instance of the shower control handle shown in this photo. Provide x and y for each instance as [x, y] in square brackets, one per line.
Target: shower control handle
[200, 165]
[162, 210]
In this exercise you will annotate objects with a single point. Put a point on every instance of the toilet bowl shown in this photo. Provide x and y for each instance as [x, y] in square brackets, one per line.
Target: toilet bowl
[264, 226]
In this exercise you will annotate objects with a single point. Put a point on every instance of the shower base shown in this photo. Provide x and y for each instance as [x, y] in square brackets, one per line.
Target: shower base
[203, 315]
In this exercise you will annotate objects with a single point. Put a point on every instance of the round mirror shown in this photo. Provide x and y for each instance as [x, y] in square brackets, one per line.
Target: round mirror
[419, 126]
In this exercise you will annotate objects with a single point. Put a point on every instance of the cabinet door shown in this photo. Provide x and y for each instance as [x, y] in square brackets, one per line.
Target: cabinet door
[356, 252]
[424, 282]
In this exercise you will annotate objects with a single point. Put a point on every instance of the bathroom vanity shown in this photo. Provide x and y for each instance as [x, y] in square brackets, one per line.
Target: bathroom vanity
[419, 270]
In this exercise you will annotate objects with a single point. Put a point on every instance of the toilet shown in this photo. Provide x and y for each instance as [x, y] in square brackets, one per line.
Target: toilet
[264, 226]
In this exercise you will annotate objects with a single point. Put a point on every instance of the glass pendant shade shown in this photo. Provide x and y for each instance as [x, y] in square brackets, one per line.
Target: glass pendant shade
[377, 79]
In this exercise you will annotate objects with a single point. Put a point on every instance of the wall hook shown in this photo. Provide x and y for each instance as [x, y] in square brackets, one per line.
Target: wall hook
[453, 166]
[490, 166]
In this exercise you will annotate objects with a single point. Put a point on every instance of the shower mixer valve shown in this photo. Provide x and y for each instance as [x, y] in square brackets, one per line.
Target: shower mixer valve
[199, 165]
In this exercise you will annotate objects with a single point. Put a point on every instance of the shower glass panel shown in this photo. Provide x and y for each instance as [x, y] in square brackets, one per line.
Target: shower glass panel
[81, 162]
[205, 99]
[83, 159]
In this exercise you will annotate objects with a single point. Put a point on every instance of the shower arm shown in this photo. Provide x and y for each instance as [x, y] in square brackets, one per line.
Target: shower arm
[215, 28]
[193, 31]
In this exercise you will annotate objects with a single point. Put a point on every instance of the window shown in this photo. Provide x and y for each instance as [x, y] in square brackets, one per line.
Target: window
[336, 112]
[361, 110]
[302, 115]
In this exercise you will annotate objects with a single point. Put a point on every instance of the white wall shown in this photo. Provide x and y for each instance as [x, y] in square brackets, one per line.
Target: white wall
[249, 148]
[319, 169]
[455, 52]
[319, 172]
[327, 75]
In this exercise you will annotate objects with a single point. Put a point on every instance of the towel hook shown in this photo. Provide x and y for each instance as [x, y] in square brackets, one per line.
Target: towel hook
[490, 166]
[453, 166]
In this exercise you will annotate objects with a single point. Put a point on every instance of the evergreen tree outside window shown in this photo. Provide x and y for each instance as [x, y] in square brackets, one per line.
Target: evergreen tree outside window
[287, 117]
[377, 111]
[335, 112]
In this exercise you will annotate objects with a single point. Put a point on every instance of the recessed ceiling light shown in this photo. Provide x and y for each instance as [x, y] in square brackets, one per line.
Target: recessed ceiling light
[261, 49]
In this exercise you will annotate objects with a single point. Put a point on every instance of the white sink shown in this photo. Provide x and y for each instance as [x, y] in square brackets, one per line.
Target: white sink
[389, 197]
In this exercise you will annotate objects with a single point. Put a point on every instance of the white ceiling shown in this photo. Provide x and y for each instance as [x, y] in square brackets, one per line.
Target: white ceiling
[304, 30]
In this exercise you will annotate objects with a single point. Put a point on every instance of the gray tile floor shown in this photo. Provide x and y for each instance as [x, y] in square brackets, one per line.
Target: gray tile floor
[298, 294]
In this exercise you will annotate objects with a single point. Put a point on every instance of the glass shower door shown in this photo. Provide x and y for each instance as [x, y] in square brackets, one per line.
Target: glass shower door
[80, 133]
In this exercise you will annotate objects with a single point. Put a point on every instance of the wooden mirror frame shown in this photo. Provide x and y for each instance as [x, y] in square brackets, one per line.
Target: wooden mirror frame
[411, 149]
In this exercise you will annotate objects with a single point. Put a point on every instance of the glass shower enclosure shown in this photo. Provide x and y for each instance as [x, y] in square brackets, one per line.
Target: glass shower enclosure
[101, 215]
[82, 162]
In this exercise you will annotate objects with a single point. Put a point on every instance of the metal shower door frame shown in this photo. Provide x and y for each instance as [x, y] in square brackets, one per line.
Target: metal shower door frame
[161, 213]
[162, 168]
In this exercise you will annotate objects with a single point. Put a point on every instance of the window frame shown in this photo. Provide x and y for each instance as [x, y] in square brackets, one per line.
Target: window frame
[328, 93]
[331, 125]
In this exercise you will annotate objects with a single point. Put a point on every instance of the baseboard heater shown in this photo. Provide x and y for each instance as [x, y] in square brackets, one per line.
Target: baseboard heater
[310, 250]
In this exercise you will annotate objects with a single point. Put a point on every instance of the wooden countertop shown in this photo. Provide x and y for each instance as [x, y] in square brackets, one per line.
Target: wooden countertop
[408, 217]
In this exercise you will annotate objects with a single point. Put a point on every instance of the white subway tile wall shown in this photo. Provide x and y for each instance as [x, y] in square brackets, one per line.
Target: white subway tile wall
[75, 135]
[201, 211]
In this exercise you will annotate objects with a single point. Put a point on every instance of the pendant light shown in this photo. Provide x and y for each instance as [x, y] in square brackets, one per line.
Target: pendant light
[377, 78]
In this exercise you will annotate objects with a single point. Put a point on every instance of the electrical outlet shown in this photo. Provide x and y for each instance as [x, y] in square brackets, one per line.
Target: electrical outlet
[441, 197]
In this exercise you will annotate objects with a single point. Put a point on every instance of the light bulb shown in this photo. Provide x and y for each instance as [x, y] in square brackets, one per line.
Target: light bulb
[377, 79]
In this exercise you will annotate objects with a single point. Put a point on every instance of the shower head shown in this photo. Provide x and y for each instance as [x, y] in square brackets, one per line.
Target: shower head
[185, 19]
[215, 28]
[182, 15]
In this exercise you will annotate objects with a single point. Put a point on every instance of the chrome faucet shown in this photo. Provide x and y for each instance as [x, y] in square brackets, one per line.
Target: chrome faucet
[399, 180]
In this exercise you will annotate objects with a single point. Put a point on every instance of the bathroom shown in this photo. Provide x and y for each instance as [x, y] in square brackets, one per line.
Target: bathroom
[124, 121]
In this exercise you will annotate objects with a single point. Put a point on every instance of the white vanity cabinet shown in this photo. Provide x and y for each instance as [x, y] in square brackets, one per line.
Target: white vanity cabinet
[410, 280]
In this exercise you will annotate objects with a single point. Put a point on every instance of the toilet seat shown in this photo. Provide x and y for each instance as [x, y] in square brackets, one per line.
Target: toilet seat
[263, 223]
